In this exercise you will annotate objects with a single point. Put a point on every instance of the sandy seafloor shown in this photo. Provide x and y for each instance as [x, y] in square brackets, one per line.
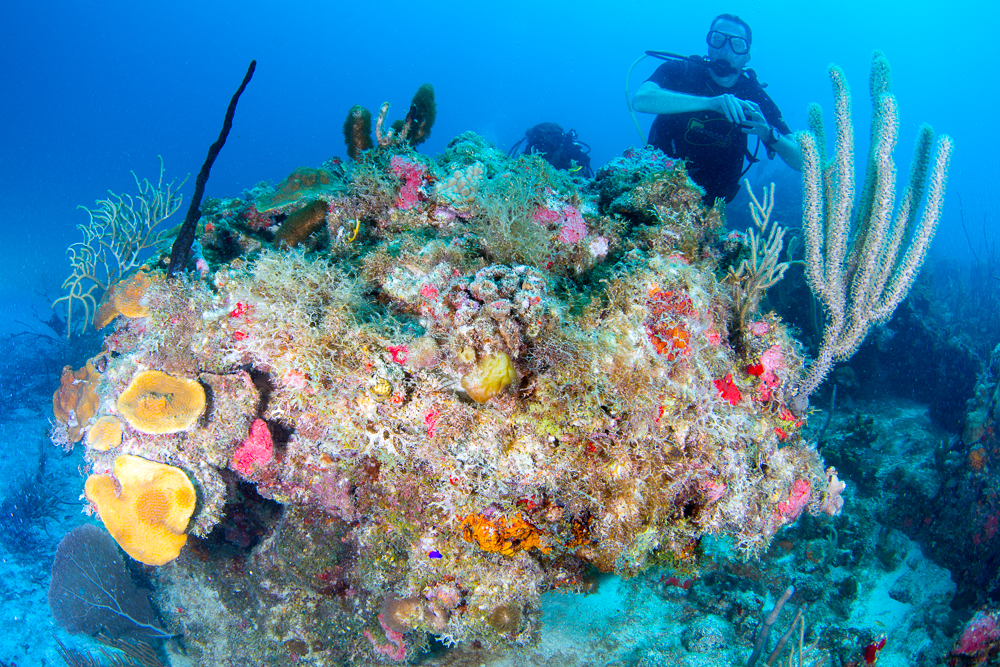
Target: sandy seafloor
[633, 622]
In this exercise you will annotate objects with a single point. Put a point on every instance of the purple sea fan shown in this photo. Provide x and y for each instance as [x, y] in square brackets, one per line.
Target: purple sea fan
[91, 591]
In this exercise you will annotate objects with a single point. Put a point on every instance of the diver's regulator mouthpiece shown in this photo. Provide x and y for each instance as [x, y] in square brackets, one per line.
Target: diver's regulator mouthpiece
[722, 67]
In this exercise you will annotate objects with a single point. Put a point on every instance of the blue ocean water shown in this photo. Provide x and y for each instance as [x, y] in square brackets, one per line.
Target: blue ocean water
[95, 91]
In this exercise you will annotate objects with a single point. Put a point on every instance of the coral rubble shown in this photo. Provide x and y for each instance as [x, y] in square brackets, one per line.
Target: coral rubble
[479, 381]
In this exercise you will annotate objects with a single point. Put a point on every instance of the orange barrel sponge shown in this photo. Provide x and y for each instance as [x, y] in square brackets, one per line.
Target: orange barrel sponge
[149, 518]
[155, 402]
[105, 434]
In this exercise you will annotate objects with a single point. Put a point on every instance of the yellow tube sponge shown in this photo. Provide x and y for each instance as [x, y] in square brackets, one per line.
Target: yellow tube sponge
[155, 402]
[149, 518]
[489, 377]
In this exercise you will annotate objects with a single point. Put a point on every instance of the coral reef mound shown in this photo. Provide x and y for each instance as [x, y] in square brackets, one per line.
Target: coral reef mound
[491, 381]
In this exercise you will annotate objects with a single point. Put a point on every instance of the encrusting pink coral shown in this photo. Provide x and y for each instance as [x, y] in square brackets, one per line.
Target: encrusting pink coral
[256, 451]
[979, 634]
[572, 226]
[394, 648]
[798, 498]
[413, 175]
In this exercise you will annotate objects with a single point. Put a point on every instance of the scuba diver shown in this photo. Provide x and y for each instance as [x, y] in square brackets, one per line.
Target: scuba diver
[708, 107]
[563, 150]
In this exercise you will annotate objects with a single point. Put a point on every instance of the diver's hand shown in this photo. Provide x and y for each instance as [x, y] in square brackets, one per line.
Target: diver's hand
[755, 122]
[732, 108]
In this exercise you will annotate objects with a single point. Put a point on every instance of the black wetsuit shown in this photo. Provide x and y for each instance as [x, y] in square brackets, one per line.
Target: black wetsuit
[712, 146]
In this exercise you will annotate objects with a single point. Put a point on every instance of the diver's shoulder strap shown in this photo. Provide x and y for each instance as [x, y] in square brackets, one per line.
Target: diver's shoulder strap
[752, 75]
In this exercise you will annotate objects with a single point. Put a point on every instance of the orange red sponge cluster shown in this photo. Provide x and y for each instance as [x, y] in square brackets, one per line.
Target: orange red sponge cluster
[502, 534]
[665, 324]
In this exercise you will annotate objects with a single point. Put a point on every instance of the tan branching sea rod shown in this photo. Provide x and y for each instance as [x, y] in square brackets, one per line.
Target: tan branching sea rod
[855, 263]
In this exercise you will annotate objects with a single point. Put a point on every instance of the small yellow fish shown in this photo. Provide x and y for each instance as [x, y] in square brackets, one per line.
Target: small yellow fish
[575, 169]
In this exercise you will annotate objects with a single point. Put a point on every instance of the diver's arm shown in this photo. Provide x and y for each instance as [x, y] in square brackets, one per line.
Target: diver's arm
[785, 146]
[788, 149]
[651, 98]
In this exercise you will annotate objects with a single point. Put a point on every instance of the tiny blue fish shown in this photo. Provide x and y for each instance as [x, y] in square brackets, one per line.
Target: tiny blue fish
[434, 554]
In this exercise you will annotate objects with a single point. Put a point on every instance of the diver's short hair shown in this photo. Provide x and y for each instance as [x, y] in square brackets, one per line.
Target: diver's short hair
[735, 19]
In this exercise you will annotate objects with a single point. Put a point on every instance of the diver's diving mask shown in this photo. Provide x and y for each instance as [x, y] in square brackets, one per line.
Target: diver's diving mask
[717, 40]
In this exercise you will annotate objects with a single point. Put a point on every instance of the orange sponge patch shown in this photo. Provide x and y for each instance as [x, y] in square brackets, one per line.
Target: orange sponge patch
[502, 534]
[156, 403]
[105, 434]
[75, 402]
[150, 516]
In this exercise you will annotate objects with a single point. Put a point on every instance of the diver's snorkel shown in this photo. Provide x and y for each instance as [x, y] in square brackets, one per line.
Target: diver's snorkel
[720, 67]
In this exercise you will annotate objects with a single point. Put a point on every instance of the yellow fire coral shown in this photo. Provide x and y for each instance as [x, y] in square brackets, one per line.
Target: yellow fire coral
[504, 534]
[149, 518]
[157, 403]
[489, 377]
[106, 311]
[75, 402]
[105, 434]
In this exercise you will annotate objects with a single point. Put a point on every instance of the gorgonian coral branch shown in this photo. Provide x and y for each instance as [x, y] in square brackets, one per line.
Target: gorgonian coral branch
[121, 234]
